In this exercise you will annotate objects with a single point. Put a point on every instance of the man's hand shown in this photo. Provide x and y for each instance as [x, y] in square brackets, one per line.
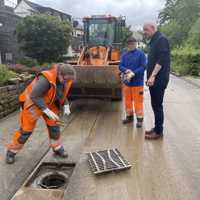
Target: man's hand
[151, 81]
[66, 110]
[51, 114]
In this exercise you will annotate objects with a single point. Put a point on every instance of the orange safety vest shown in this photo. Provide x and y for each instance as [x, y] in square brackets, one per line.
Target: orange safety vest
[49, 97]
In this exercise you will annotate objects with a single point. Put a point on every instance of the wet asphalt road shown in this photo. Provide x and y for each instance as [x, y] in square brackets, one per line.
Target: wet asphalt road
[167, 169]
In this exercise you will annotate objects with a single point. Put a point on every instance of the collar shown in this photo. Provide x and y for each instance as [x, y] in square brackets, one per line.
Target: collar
[155, 36]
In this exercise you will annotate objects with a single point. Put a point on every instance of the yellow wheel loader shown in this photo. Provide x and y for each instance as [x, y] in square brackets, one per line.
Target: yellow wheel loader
[97, 66]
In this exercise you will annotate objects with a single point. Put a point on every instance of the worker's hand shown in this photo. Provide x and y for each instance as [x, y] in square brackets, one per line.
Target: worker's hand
[66, 110]
[129, 75]
[151, 81]
[51, 114]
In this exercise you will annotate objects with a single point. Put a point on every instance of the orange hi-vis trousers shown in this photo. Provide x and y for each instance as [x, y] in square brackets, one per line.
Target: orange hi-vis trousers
[133, 98]
[27, 119]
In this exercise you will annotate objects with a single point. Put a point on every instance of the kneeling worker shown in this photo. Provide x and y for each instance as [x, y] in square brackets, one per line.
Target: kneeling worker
[45, 96]
[132, 66]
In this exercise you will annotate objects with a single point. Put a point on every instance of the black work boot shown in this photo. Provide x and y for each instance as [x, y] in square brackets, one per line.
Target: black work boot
[139, 122]
[10, 157]
[128, 119]
[60, 152]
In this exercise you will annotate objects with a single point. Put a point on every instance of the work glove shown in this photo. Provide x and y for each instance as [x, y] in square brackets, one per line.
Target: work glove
[129, 75]
[50, 114]
[66, 109]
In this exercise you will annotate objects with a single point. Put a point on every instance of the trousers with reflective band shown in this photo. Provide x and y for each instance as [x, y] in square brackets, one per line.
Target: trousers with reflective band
[28, 118]
[133, 100]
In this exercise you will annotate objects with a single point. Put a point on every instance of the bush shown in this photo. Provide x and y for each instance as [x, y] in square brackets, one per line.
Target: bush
[29, 62]
[6, 74]
[186, 61]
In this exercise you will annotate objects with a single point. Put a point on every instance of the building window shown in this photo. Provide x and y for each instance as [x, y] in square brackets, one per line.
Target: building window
[9, 56]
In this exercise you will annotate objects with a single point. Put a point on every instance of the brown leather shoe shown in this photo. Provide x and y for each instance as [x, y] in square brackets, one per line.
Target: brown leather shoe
[153, 136]
[149, 132]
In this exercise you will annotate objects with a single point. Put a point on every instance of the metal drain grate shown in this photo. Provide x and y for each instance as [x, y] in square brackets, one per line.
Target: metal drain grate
[106, 161]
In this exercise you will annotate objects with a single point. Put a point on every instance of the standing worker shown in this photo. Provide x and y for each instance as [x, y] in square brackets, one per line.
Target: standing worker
[157, 76]
[45, 96]
[132, 66]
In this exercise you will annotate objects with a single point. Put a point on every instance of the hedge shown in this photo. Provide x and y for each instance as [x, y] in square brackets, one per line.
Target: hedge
[186, 61]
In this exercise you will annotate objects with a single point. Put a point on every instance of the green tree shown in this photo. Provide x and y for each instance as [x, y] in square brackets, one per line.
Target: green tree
[177, 18]
[42, 37]
[194, 35]
[126, 33]
[174, 33]
[168, 13]
[184, 12]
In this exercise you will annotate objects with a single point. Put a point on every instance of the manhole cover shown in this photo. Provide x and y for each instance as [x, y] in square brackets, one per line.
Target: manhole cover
[106, 161]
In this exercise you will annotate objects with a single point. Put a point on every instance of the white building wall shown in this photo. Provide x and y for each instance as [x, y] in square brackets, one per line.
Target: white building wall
[23, 9]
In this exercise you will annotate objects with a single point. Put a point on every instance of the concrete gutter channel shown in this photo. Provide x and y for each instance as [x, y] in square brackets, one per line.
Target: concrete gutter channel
[51, 166]
[36, 149]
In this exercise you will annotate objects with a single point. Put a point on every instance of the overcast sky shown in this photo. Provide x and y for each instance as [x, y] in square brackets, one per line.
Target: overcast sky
[136, 11]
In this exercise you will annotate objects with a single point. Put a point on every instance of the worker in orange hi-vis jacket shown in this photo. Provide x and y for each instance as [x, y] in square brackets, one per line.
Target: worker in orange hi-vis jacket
[132, 66]
[45, 96]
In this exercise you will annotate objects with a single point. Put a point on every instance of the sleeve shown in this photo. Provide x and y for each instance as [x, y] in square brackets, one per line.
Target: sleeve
[121, 64]
[142, 64]
[41, 87]
[163, 51]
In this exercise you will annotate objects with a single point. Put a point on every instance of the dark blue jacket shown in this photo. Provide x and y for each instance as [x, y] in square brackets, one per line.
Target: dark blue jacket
[134, 60]
[159, 54]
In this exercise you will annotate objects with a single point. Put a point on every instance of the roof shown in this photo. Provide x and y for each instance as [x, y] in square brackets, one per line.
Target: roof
[43, 8]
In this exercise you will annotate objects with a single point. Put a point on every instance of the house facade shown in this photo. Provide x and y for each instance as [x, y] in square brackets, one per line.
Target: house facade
[25, 8]
[9, 50]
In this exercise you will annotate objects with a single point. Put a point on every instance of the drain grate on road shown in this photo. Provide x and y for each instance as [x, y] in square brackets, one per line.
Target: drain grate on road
[106, 161]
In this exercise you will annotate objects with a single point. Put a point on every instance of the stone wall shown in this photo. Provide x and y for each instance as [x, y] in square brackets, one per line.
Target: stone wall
[9, 98]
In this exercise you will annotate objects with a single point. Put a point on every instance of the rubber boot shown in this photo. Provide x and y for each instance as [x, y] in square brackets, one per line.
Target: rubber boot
[128, 119]
[60, 152]
[139, 122]
[10, 157]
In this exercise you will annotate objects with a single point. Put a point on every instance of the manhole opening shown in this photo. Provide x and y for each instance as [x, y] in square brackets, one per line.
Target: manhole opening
[53, 181]
[51, 176]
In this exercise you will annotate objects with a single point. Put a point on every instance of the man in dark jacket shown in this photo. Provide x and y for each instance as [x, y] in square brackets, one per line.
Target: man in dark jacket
[158, 69]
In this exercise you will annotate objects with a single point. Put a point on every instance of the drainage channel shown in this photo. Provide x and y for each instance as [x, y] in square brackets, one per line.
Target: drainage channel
[48, 181]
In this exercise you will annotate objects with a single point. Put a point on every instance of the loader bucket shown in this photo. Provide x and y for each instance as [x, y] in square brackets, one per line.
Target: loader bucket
[96, 82]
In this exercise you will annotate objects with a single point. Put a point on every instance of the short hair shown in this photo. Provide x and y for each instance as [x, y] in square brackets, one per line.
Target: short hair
[67, 69]
[152, 24]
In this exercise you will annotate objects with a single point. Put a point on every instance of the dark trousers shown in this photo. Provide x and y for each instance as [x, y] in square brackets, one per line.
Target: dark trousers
[157, 95]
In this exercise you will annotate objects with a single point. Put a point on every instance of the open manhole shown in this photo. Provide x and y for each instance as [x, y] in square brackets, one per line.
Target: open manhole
[53, 181]
[51, 176]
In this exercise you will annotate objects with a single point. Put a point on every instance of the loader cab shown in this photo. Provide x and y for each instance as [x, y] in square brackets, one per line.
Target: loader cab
[103, 30]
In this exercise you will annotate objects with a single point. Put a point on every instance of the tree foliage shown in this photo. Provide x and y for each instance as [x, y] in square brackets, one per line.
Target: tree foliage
[194, 35]
[126, 33]
[177, 18]
[42, 37]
